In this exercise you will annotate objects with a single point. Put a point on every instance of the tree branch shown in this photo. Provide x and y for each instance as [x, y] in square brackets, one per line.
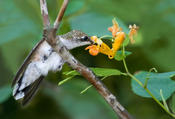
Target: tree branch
[50, 36]
[90, 76]
[44, 13]
[60, 14]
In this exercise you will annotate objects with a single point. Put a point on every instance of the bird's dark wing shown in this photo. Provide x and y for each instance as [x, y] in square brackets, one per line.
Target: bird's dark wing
[21, 70]
[31, 90]
[37, 65]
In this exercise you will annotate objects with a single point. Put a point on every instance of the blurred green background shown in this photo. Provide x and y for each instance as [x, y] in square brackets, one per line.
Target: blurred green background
[21, 29]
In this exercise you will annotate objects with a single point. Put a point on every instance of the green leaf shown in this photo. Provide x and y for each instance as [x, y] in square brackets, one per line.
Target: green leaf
[105, 71]
[5, 93]
[119, 55]
[98, 71]
[156, 82]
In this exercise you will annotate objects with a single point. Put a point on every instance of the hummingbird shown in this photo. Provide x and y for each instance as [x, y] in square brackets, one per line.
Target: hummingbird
[40, 61]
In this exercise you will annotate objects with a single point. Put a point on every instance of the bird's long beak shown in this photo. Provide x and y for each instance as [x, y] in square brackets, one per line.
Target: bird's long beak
[91, 41]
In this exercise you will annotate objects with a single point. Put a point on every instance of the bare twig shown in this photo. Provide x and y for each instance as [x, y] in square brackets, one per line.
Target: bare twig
[60, 14]
[44, 12]
[50, 36]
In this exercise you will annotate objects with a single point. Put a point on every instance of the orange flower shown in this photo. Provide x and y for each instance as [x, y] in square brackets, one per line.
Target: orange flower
[105, 49]
[118, 41]
[94, 38]
[100, 47]
[93, 50]
[133, 31]
[115, 28]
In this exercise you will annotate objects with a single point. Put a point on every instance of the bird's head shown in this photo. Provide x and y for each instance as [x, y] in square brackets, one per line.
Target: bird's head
[75, 39]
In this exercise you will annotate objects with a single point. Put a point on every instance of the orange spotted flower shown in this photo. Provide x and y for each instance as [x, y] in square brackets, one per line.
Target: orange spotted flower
[118, 41]
[93, 50]
[118, 37]
[115, 28]
[103, 48]
[100, 47]
[133, 31]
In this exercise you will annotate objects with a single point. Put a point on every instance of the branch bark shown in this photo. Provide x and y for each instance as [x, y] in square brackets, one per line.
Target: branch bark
[60, 14]
[49, 35]
[45, 15]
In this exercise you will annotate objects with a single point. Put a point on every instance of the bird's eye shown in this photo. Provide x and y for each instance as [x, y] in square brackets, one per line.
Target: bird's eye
[85, 38]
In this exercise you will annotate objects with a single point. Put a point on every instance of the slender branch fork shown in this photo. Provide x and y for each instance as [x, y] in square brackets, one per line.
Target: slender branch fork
[49, 35]
[44, 12]
[61, 14]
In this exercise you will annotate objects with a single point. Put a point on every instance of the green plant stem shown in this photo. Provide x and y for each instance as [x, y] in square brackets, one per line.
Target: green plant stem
[65, 80]
[124, 62]
[83, 91]
[106, 36]
[134, 78]
[163, 100]
[146, 89]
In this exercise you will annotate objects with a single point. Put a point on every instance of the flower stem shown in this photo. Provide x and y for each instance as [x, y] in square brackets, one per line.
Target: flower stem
[124, 62]
[146, 89]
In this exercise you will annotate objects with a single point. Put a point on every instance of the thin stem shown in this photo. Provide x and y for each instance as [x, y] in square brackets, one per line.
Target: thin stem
[65, 80]
[158, 102]
[106, 36]
[44, 13]
[153, 69]
[83, 91]
[124, 74]
[70, 72]
[154, 98]
[126, 68]
[146, 89]
[163, 100]
[124, 62]
[134, 78]
[61, 14]
[147, 78]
